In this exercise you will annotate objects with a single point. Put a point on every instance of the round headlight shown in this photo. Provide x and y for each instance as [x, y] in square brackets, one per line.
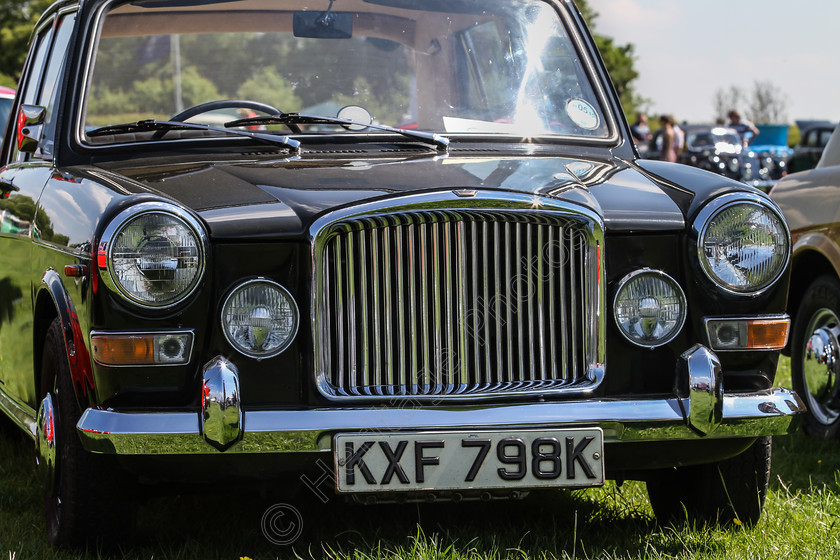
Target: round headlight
[734, 165]
[260, 318]
[743, 246]
[649, 308]
[154, 255]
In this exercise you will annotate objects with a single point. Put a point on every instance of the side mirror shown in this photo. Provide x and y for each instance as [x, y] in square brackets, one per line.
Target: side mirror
[30, 123]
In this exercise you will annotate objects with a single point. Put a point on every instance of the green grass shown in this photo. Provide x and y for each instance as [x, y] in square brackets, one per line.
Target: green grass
[615, 522]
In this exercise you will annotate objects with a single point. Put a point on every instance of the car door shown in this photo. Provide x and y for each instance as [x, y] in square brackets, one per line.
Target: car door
[22, 179]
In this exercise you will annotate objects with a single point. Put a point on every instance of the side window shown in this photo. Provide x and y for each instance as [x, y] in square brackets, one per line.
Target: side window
[32, 80]
[52, 80]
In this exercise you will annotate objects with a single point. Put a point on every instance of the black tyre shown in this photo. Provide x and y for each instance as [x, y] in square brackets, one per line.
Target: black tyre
[725, 492]
[814, 377]
[87, 498]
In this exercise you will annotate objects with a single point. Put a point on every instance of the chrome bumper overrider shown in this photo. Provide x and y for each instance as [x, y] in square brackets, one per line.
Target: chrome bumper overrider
[705, 411]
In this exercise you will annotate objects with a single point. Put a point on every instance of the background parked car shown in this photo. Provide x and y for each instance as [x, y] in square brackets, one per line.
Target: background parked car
[812, 143]
[771, 147]
[720, 150]
[810, 201]
[7, 96]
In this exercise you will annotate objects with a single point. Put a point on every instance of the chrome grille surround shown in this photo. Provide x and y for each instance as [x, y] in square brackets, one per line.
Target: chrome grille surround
[373, 341]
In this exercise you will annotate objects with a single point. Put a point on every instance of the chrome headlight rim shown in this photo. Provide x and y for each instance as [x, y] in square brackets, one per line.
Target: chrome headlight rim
[104, 257]
[237, 287]
[713, 209]
[669, 280]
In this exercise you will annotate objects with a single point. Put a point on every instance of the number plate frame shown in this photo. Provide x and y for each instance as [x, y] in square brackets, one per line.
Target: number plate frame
[452, 461]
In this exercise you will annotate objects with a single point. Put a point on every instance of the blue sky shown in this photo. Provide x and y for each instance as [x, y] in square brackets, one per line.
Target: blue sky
[688, 49]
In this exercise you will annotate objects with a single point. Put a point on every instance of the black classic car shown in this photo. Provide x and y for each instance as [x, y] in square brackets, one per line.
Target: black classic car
[811, 145]
[463, 285]
[721, 150]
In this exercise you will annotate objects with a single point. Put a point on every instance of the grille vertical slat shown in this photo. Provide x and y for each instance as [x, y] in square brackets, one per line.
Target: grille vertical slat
[457, 303]
[474, 312]
[402, 333]
[389, 326]
[412, 375]
[424, 311]
[449, 284]
[340, 314]
[541, 301]
[552, 341]
[498, 303]
[520, 309]
[462, 365]
[564, 329]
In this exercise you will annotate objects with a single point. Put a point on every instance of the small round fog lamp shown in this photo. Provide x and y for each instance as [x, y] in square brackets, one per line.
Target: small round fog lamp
[649, 308]
[260, 318]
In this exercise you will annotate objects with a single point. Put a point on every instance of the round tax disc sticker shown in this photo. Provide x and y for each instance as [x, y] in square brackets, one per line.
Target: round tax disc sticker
[582, 114]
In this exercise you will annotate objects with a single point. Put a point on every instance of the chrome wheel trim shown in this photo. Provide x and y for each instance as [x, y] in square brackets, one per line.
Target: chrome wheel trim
[45, 442]
[819, 366]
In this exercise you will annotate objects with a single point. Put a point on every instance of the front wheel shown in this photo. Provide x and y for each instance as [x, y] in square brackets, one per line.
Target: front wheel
[725, 492]
[87, 498]
[815, 357]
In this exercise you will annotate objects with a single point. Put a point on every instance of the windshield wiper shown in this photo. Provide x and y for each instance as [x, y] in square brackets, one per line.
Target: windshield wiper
[165, 126]
[440, 142]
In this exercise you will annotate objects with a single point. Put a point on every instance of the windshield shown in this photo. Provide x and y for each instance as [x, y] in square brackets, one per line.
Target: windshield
[496, 67]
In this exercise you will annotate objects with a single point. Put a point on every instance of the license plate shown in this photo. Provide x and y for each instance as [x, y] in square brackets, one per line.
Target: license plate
[399, 462]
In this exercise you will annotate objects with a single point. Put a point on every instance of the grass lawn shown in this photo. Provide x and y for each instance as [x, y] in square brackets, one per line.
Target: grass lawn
[613, 522]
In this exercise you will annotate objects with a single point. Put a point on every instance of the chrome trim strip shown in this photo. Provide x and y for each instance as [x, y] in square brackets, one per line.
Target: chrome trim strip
[551, 304]
[768, 412]
[519, 311]
[23, 416]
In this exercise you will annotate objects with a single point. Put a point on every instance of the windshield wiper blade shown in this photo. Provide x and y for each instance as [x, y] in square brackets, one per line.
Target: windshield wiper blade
[149, 125]
[440, 142]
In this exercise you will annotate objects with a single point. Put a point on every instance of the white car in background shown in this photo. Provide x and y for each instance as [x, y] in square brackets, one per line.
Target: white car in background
[7, 97]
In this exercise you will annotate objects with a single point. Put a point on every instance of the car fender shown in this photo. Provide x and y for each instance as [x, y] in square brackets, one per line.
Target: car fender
[74, 342]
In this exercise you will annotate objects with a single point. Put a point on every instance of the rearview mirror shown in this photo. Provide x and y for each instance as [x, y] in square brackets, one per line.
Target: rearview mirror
[323, 25]
[30, 121]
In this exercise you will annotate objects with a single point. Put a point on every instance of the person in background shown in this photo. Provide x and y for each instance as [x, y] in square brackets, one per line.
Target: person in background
[669, 138]
[640, 130]
[679, 136]
[742, 127]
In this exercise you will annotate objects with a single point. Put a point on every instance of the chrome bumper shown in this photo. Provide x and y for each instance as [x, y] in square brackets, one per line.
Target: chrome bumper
[223, 426]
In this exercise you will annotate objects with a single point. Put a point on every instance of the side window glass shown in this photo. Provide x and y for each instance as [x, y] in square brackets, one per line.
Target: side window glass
[32, 80]
[51, 83]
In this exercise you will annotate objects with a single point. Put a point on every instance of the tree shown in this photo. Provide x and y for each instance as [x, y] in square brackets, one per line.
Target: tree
[19, 18]
[726, 100]
[619, 60]
[765, 104]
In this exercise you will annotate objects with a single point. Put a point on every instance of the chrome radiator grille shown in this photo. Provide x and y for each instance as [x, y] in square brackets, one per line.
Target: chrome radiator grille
[458, 303]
